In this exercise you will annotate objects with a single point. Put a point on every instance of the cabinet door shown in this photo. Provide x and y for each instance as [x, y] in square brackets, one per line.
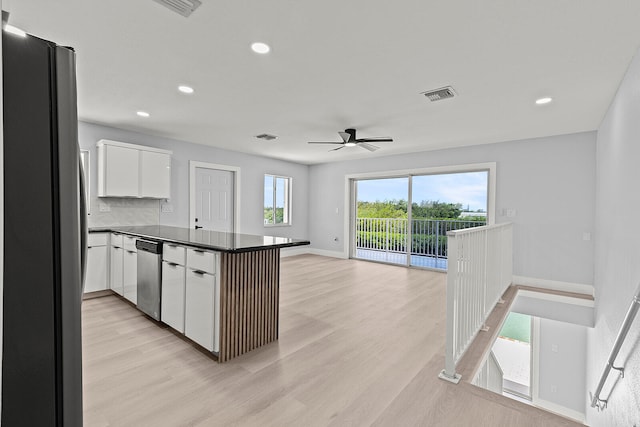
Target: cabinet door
[96, 279]
[155, 175]
[199, 308]
[116, 262]
[130, 275]
[121, 172]
[173, 284]
[129, 243]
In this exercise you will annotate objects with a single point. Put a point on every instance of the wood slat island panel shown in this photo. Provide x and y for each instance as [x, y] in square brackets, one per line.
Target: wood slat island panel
[249, 298]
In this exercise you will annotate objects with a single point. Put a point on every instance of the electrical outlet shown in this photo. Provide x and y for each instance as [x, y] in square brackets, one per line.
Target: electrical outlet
[104, 207]
[586, 236]
[554, 388]
[511, 213]
[554, 348]
[167, 208]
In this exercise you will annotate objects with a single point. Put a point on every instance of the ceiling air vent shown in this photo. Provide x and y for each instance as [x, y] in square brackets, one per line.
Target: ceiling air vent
[440, 94]
[183, 7]
[266, 137]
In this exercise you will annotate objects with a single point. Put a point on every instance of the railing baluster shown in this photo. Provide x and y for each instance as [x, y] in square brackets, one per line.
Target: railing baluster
[474, 258]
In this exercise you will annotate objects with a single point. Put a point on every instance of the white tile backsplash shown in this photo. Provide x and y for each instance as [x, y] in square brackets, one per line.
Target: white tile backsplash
[123, 212]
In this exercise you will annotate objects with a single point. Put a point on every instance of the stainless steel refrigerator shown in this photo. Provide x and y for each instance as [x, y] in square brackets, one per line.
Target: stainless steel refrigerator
[44, 236]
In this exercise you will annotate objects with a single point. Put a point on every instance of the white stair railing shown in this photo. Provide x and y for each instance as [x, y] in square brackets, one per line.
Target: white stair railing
[479, 271]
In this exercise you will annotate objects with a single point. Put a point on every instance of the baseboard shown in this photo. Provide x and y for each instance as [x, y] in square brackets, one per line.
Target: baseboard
[555, 285]
[305, 250]
[560, 410]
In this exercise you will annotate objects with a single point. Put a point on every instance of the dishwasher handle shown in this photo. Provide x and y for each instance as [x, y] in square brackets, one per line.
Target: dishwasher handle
[149, 246]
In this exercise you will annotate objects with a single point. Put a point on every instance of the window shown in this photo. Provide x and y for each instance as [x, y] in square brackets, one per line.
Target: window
[277, 200]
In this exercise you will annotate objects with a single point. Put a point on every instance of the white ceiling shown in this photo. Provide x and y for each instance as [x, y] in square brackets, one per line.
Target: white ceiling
[338, 64]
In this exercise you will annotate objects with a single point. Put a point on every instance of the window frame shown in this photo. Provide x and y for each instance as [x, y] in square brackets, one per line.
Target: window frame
[287, 217]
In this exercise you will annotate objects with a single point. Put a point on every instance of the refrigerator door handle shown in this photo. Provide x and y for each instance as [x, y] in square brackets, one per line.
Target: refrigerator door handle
[83, 226]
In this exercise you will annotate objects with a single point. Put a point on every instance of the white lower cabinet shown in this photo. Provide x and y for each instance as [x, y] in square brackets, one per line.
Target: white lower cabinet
[130, 275]
[189, 295]
[173, 293]
[96, 278]
[116, 270]
[200, 308]
[97, 257]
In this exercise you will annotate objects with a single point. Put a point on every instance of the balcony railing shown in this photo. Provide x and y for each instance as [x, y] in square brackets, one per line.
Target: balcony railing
[428, 236]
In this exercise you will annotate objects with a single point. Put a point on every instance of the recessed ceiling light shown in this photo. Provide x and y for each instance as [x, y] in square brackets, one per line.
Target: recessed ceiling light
[143, 113]
[545, 100]
[185, 89]
[349, 144]
[15, 30]
[260, 47]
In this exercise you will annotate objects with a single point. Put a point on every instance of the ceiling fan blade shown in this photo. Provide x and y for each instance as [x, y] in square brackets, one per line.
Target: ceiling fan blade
[344, 135]
[367, 146]
[324, 142]
[375, 139]
[336, 149]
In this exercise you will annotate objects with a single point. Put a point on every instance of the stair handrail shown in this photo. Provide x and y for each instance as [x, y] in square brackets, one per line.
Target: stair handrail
[596, 401]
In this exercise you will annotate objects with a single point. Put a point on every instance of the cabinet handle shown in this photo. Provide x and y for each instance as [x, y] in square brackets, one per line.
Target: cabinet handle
[199, 272]
[199, 251]
[172, 264]
[172, 246]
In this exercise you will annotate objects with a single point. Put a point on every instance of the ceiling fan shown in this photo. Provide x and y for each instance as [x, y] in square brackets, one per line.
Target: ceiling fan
[349, 140]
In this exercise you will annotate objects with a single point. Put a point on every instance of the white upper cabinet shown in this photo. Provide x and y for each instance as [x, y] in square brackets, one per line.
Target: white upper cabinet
[128, 170]
[155, 175]
[118, 168]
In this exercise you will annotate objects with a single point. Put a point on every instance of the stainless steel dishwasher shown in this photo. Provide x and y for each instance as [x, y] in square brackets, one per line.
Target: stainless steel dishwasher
[149, 277]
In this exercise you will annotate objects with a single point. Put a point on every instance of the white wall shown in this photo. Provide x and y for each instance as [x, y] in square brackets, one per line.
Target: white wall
[617, 255]
[549, 181]
[554, 307]
[561, 367]
[252, 173]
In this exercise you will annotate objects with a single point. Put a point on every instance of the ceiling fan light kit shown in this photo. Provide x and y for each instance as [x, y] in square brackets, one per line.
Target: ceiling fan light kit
[349, 140]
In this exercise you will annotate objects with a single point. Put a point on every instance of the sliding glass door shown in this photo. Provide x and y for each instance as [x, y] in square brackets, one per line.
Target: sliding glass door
[405, 220]
[381, 231]
[441, 203]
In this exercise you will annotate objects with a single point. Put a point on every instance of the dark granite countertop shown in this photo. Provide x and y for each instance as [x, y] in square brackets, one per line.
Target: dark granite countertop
[205, 239]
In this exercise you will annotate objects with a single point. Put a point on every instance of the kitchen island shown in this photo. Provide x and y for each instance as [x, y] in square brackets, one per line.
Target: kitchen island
[242, 302]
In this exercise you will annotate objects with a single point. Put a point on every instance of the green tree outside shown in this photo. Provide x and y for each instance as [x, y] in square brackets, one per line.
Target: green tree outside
[398, 209]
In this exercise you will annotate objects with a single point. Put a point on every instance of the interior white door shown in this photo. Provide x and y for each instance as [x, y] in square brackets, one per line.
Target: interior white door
[214, 199]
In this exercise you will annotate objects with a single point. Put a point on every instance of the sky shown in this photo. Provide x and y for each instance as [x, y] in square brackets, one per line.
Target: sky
[468, 189]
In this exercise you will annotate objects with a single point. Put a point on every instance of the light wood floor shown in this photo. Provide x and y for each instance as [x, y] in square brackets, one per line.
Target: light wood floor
[360, 344]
